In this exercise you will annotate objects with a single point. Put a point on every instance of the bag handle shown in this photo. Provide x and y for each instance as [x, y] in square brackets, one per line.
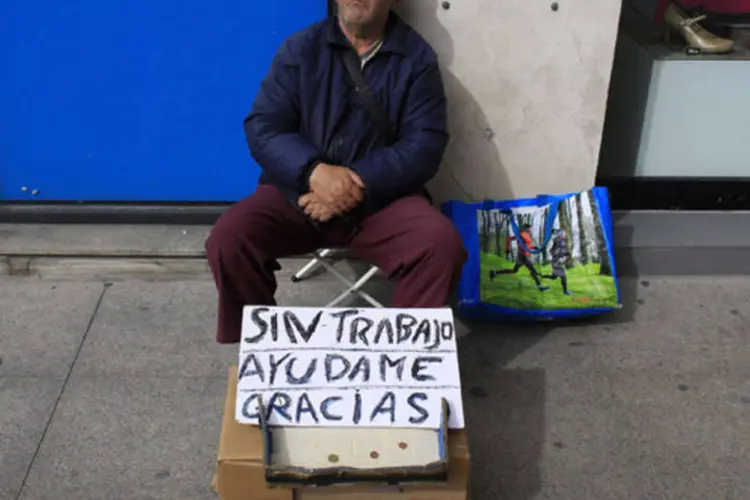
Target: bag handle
[354, 67]
[548, 226]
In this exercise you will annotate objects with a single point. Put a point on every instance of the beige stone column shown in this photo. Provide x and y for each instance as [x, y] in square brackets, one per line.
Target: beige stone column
[527, 82]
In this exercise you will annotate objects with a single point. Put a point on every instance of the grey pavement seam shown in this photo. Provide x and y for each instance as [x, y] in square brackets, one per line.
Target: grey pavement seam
[105, 287]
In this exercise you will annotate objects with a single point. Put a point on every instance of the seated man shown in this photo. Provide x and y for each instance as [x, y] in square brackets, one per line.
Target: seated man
[331, 177]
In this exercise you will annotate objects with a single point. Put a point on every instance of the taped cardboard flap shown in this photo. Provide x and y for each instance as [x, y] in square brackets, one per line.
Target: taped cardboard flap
[348, 455]
[242, 443]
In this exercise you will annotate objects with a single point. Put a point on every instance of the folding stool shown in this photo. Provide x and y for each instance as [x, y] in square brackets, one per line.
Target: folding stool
[320, 258]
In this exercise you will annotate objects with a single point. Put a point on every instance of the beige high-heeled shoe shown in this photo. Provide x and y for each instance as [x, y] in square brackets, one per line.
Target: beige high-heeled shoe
[698, 38]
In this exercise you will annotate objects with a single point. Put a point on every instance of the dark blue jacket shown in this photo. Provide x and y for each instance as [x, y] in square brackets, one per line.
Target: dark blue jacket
[307, 111]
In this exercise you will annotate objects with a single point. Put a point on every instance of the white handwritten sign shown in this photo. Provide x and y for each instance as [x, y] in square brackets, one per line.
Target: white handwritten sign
[349, 367]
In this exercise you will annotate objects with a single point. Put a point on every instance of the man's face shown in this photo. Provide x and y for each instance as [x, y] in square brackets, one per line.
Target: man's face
[362, 13]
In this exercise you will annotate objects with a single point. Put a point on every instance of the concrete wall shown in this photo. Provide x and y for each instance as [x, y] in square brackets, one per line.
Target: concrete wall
[527, 86]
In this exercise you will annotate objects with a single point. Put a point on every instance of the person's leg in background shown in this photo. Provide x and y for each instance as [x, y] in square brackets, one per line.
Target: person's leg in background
[415, 245]
[532, 270]
[559, 272]
[522, 261]
[243, 249]
[564, 282]
[519, 265]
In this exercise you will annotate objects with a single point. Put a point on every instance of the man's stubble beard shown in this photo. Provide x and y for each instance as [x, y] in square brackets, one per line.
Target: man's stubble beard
[360, 28]
[365, 26]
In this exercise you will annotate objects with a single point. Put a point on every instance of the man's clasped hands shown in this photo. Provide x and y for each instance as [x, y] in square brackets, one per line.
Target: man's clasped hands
[334, 191]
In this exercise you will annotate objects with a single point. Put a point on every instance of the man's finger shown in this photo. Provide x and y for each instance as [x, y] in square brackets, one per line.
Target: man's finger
[325, 217]
[311, 208]
[317, 211]
[346, 204]
[327, 200]
[357, 179]
[320, 204]
[304, 199]
[315, 198]
[354, 199]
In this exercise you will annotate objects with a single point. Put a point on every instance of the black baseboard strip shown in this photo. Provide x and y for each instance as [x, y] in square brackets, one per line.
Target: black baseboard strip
[103, 213]
[651, 193]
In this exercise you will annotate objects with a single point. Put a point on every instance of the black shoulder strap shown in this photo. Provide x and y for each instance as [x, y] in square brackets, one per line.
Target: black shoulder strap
[378, 116]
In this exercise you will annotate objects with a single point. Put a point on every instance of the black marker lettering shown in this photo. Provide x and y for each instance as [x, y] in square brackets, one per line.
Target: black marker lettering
[304, 405]
[362, 365]
[305, 378]
[260, 323]
[330, 358]
[246, 407]
[275, 327]
[423, 330]
[390, 399]
[404, 325]
[384, 326]
[386, 362]
[279, 403]
[423, 414]
[289, 327]
[447, 330]
[357, 408]
[292, 322]
[275, 365]
[437, 342]
[342, 315]
[324, 409]
[250, 371]
[417, 367]
[359, 329]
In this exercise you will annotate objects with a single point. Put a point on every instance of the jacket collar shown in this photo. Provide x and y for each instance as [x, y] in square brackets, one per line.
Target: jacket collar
[395, 35]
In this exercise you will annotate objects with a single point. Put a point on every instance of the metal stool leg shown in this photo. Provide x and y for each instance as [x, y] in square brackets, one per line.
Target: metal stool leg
[353, 288]
[310, 266]
[319, 259]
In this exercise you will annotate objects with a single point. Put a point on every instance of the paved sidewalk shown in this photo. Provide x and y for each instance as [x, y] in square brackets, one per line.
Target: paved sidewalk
[114, 391]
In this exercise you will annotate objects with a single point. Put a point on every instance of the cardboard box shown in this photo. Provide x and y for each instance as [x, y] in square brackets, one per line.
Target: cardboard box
[241, 473]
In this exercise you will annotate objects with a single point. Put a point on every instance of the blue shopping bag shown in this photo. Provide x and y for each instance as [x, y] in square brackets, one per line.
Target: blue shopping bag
[537, 258]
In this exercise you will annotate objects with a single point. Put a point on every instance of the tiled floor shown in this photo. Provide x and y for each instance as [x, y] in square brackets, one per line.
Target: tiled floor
[115, 392]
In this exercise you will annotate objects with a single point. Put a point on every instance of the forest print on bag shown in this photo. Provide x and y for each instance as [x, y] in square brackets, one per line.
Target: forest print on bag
[572, 270]
[545, 257]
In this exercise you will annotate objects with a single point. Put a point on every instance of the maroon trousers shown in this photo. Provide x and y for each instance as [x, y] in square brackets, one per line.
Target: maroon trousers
[409, 240]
